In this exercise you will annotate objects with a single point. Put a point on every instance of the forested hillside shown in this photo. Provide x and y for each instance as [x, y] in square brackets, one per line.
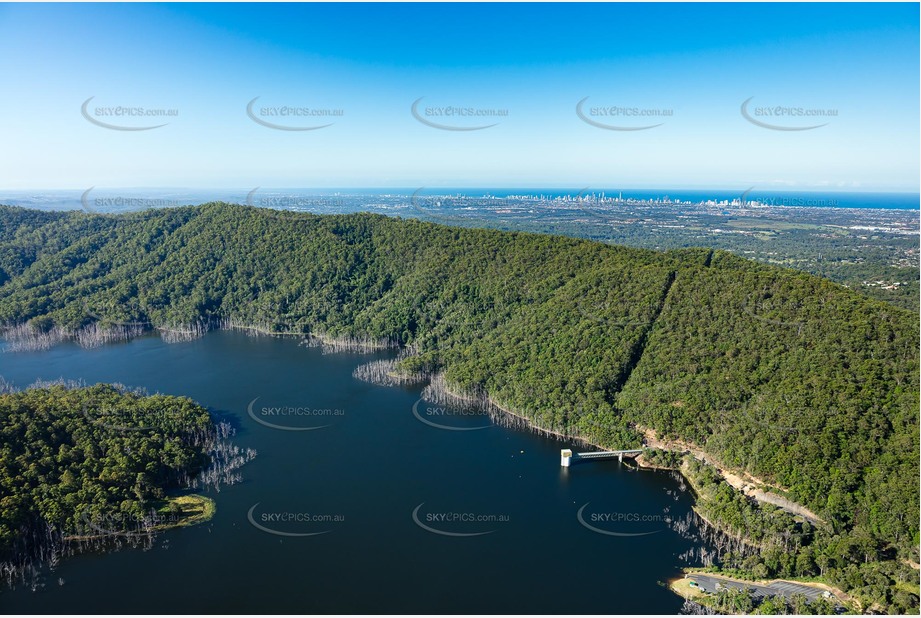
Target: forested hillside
[794, 379]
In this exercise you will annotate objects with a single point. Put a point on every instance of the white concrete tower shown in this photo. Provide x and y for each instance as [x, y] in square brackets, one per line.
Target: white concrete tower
[565, 457]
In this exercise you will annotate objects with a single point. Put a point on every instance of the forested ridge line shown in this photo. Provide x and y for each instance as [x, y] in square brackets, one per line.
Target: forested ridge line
[784, 375]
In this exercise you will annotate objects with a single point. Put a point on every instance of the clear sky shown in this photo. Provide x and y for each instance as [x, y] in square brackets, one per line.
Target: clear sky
[695, 64]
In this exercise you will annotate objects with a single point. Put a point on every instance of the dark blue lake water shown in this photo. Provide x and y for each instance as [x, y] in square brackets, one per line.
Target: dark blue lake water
[374, 512]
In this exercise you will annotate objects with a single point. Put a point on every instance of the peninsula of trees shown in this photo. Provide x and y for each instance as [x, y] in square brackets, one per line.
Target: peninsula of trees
[88, 465]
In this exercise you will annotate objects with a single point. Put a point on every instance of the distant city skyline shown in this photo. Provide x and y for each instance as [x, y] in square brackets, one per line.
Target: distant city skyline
[355, 199]
[797, 97]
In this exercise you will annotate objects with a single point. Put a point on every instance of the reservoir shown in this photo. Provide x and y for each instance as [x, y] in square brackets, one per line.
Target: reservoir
[356, 504]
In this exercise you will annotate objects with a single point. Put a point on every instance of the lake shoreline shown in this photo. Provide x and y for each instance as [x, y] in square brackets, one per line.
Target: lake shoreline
[307, 475]
[196, 509]
[490, 404]
[331, 344]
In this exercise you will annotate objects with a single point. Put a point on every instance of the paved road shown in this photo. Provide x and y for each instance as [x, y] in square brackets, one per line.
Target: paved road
[709, 583]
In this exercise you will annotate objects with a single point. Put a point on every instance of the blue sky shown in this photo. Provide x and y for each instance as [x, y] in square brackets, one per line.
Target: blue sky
[693, 64]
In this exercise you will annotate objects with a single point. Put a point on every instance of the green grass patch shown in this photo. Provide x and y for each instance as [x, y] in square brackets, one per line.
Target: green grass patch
[188, 510]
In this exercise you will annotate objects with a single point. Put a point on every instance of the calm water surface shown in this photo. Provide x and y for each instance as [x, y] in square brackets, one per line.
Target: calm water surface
[353, 513]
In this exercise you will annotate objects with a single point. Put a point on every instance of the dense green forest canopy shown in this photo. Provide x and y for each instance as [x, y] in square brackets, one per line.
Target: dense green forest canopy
[797, 380]
[91, 461]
